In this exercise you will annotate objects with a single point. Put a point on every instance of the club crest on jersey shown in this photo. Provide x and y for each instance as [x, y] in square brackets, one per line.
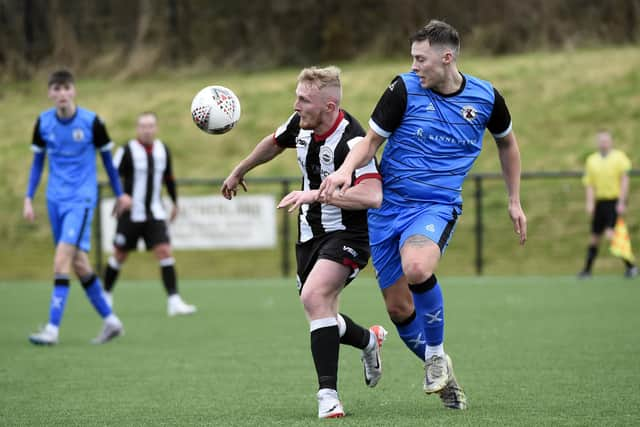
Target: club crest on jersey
[326, 155]
[78, 135]
[469, 113]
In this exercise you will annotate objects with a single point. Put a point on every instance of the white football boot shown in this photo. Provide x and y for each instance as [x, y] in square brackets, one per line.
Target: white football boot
[111, 329]
[177, 307]
[329, 405]
[438, 372]
[47, 335]
[372, 359]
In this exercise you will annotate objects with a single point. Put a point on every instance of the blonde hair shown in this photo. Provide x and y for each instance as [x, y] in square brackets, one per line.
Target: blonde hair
[328, 77]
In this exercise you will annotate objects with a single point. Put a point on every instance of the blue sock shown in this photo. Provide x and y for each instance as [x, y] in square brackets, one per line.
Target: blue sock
[427, 297]
[58, 299]
[412, 334]
[93, 289]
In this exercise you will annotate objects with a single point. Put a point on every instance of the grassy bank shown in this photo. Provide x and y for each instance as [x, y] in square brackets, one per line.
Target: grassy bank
[558, 101]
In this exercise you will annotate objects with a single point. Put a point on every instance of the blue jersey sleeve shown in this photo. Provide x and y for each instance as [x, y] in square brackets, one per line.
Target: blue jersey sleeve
[114, 179]
[36, 172]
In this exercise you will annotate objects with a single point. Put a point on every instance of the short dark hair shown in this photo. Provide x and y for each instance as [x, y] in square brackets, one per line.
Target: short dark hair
[60, 77]
[438, 33]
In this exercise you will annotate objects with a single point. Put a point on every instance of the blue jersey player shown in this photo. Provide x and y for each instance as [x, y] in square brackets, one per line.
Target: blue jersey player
[69, 136]
[433, 119]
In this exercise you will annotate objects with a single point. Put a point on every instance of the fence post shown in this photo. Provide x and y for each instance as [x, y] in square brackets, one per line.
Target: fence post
[98, 233]
[479, 225]
[286, 234]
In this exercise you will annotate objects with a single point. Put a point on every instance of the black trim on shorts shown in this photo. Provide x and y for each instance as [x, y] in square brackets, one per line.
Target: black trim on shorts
[446, 233]
[84, 223]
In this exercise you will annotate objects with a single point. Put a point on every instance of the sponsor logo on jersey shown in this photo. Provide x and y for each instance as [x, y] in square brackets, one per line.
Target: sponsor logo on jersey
[326, 155]
[430, 228]
[469, 113]
[78, 135]
[301, 142]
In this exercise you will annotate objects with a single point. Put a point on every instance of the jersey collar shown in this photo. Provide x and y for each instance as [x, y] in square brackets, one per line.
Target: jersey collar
[457, 92]
[147, 147]
[65, 120]
[323, 136]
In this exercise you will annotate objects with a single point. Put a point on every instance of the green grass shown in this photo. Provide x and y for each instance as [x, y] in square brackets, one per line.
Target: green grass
[528, 350]
[558, 101]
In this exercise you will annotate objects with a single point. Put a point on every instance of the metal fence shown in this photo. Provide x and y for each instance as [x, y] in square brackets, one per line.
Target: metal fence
[285, 184]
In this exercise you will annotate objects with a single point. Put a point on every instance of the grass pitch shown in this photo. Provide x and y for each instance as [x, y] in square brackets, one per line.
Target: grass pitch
[528, 350]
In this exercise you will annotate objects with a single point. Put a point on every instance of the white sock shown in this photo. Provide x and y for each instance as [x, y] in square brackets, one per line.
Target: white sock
[113, 263]
[434, 350]
[51, 328]
[112, 318]
[175, 299]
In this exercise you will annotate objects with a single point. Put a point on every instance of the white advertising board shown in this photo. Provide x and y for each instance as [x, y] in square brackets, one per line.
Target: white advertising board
[211, 222]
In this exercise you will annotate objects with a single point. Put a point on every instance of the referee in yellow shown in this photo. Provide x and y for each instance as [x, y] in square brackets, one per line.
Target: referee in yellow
[606, 179]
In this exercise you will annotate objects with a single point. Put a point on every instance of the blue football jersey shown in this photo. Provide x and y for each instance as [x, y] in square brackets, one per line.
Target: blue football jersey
[434, 139]
[71, 144]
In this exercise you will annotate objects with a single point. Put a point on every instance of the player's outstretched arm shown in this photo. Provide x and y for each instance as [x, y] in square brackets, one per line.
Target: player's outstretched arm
[510, 162]
[266, 150]
[358, 157]
[366, 195]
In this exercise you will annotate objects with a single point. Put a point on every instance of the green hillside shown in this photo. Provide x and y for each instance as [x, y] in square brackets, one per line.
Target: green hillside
[558, 101]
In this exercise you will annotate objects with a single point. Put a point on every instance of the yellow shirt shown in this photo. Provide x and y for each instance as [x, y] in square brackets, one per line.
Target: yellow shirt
[604, 173]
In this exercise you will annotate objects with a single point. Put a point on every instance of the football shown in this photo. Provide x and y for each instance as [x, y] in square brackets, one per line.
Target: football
[215, 109]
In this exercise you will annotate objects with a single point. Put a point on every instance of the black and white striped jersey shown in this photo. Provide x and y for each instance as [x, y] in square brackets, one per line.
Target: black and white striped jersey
[319, 156]
[143, 169]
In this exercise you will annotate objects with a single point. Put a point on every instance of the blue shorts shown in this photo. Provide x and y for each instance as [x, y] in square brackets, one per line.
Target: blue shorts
[71, 223]
[391, 225]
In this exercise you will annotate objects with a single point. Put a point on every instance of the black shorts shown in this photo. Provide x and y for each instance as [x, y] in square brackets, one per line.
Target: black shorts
[604, 216]
[128, 233]
[344, 247]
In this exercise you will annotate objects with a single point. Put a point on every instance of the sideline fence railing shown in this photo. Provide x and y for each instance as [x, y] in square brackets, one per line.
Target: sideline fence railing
[286, 183]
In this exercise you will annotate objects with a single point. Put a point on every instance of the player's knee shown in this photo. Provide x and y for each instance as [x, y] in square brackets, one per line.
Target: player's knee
[399, 310]
[81, 266]
[120, 256]
[416, 272]
[62, 264]
[163, 251]
[313, 299]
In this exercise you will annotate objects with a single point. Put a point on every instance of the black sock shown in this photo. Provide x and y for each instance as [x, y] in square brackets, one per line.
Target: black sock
[169, 279]
[628, 264]
[592, 253]
[110, 277]
[354, 334]
[325, 348]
